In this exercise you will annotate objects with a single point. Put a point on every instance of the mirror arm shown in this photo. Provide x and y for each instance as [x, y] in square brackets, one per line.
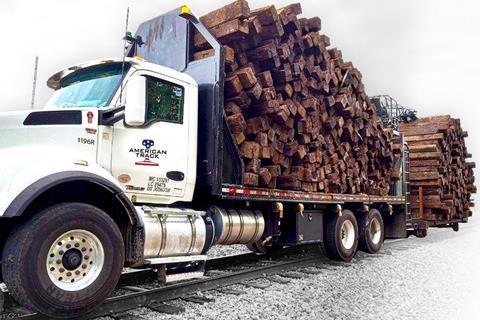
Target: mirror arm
[111, 116]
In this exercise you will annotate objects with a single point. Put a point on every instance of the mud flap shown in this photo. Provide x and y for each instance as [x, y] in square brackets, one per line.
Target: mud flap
[395, 225]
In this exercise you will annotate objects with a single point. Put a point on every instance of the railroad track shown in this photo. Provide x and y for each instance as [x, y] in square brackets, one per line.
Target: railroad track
[141, 288]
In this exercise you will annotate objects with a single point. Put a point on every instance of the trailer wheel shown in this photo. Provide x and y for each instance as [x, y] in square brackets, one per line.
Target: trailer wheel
[455, 226]
[341, 236]
[420, 233]
[64, 261]
[371, 231]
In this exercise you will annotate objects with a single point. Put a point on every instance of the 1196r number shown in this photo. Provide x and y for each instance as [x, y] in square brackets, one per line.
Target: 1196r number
[86, 141]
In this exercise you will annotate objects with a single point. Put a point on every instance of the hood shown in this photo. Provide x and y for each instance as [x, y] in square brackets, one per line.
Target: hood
[72, 129]
[14, 119]
[36, 144]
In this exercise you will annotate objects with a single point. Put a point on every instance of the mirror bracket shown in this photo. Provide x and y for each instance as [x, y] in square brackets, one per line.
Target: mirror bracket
[111, 116]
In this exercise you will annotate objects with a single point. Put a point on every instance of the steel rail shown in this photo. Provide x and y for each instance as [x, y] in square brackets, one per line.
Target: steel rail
[134, 300]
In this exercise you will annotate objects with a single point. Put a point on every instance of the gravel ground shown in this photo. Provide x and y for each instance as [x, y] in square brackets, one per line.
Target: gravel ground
[437, 277]
[222, 251]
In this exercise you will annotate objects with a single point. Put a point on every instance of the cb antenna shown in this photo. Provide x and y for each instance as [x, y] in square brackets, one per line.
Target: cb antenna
[34, 87]
[124, 53]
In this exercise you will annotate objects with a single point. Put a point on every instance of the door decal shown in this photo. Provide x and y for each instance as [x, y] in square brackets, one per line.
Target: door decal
[147, 153]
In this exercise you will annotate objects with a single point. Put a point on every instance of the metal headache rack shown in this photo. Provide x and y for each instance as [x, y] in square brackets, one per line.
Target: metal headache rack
[391, 112]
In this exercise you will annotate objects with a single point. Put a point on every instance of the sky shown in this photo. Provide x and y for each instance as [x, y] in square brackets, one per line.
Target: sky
[424, 53]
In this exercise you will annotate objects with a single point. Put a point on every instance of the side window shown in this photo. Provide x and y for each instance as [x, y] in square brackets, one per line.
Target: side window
[164, 101]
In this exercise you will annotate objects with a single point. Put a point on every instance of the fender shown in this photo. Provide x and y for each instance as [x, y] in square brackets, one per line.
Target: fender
[21, 202]
[27, 177]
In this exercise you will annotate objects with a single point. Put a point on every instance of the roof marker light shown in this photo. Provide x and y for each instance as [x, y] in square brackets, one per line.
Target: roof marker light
[186, 13]
[185, 10]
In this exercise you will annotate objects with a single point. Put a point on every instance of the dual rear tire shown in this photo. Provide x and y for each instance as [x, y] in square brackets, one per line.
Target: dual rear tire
[372, 231]
[341, 236]
[344, 234]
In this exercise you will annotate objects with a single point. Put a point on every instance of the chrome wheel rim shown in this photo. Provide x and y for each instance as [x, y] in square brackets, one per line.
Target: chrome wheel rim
[75, 260]
[347, 233]
[375, 231]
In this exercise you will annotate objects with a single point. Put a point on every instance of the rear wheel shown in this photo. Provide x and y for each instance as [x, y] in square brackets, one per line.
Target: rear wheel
[371, 231]
[420, 233]
[455, 226]
[64, 261]
[2, 301]
[341, 236]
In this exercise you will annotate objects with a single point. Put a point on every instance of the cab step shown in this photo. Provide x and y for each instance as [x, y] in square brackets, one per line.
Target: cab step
[173, 269]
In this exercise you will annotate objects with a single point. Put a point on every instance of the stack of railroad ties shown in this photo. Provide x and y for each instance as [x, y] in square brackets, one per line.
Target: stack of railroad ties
[439, 173]
[298, 112]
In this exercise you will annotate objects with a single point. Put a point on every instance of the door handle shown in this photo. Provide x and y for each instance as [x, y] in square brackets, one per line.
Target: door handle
[175, 175]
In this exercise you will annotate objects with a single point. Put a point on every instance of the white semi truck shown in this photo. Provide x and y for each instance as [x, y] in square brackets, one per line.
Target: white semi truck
[131, 164]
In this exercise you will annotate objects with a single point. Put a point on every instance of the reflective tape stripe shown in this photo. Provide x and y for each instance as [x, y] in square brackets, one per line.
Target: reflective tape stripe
[307, 196]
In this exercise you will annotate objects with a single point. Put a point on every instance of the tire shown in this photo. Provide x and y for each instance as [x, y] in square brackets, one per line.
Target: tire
[371, 231]
[455, 226]
[420, 233]
[2, 301]
[30, 271]
[346, 225]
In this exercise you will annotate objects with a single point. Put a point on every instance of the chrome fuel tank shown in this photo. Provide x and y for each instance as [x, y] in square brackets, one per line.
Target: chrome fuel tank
[234, 226]
[173, 232]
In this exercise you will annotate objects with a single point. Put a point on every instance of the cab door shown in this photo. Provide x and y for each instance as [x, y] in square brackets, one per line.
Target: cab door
[151, 161]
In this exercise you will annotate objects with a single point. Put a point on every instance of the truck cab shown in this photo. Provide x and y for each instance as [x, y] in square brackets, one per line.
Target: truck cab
[152, 150]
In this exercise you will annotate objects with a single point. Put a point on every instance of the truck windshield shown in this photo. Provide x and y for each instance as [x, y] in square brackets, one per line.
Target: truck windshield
[92, 87]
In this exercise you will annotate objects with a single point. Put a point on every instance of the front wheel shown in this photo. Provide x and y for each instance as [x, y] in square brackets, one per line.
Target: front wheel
[341, 236]
[64, 261]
